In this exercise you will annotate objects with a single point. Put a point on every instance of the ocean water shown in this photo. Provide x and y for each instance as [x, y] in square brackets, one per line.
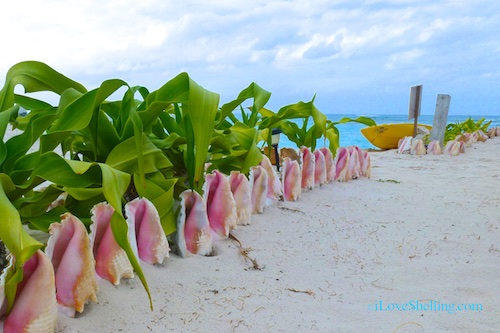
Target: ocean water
[350, 133]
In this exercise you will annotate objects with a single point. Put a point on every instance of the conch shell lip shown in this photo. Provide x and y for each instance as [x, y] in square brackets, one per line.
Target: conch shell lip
[152, 244]
[112, 262]
[35, 305]
[193, 229]
[70, 252]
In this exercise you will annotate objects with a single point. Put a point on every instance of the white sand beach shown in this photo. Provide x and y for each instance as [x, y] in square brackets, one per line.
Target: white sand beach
[423, 232]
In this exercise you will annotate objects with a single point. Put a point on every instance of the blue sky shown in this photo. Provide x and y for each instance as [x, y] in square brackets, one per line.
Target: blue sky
[358, 57]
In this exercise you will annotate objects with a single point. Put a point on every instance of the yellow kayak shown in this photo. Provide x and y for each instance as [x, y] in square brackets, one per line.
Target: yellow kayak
[387, 136]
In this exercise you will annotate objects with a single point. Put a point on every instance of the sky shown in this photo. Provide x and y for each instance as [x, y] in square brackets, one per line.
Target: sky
[355, 57]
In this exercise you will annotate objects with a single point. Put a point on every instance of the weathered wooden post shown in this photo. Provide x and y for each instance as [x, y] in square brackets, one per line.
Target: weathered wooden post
[414, 107]
[440, 118]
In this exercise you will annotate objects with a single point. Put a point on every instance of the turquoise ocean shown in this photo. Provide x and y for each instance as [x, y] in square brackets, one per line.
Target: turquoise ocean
[350, 132]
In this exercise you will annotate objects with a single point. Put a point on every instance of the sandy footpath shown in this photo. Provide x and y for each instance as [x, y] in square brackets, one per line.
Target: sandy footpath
[421, 234]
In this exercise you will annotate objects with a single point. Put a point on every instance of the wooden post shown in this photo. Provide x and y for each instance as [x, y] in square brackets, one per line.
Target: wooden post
[440, 118]
[414, 107]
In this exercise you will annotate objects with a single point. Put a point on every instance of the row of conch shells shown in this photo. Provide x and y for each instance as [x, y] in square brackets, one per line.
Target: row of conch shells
[493, 132]
[352, 163]
[415, 146]
[145, 235]
[229, 201]
[64, 277]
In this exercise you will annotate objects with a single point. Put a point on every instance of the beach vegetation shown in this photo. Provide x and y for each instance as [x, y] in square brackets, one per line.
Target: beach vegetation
[388, 181]
[117, 142]
[466, 126]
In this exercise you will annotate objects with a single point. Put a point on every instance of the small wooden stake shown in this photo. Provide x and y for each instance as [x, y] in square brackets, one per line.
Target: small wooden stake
[414, 107]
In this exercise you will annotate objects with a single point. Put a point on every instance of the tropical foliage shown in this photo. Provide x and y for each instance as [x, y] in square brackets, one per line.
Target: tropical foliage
[466, 126]
[92, 148]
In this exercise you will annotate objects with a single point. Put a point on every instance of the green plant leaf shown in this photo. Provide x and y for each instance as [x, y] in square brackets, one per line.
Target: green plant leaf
[19, 145]
[34, 76]
[78, 114]
[235, 149]
[362, 120]
[199, 108]
[120, 232]
[260, 96]
[124, 158]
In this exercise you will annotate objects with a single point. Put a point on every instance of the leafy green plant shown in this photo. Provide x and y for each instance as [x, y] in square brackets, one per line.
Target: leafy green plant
[79, 127]
[466, 126]
[306, 135]
[286, 119]
[333, 134]
[150, 144]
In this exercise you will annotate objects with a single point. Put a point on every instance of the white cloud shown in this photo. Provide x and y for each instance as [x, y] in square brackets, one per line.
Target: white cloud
[321, 46]
[403, 59]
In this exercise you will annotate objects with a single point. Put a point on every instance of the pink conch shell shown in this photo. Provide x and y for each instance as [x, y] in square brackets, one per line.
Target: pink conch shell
[242, 194]
[367, 165]
[6, 273]
[354, 165]
[259, 180]
[308, 167]
[452, 148]
[193, 229]
[273, 181]
[319, 168]
[152, 244]
[462, 147]
[469, 139]
[361, 157]
[292, 182]
[112, 262]
[404, 145]
[474, 137]
[434, 148]
[417, 147]
[329, 163]
[342, 165]
[482, 137]
[492, 133]
[498, 131]
[35, 305]
[68, 248]
[221, 207]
